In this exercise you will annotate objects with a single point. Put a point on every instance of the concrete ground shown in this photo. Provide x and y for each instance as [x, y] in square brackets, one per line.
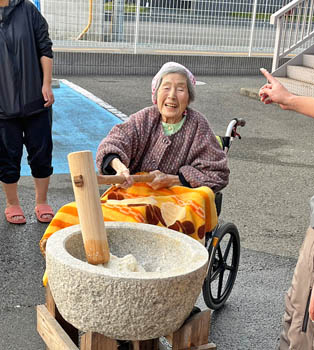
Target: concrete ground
[271, 183]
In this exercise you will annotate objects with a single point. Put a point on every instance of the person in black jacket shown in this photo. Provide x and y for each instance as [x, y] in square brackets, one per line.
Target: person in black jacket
[25, 104]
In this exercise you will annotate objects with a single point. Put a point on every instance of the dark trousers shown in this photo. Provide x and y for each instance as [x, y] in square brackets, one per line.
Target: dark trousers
[35, 132]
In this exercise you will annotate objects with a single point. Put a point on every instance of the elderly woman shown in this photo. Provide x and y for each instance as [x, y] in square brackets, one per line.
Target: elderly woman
[175, 143]
[169, 139]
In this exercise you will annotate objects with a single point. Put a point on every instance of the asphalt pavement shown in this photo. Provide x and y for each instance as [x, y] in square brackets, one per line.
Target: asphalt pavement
[267, 198]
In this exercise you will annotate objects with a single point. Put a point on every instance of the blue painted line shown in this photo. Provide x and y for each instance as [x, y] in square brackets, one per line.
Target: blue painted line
[78, 124]
[37, 4]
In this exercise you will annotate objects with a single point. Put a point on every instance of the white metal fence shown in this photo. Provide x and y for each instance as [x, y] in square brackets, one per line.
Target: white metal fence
[222, 26]
[294, 26]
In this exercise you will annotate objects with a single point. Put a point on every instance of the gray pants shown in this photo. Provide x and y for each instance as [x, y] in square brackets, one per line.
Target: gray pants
[294, 335]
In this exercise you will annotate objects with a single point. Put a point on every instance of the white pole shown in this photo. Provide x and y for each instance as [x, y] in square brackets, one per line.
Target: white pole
[138, 4]
[277, 44]
[252, 27]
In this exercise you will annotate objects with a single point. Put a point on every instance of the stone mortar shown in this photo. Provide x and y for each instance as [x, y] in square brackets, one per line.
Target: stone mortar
[127, 305]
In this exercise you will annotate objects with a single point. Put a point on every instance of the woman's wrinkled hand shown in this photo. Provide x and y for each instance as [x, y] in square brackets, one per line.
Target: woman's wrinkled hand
[163, 180]
[160, 180]
[122, 170]
[128, 179]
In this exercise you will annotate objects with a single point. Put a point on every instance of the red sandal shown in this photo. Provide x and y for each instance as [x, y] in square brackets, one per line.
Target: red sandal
[44, 209]
[12, 213]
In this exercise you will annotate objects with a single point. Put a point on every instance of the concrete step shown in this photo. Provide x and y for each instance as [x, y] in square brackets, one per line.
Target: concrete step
[55, 83]
[250, 92]
[297, 87]
[301, 73]
[308, 60]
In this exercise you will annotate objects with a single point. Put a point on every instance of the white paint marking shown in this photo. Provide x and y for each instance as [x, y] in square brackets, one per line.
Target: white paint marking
[200, 82]
[95, 99]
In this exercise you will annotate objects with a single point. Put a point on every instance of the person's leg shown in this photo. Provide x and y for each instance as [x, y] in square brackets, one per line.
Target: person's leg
[11, 148]
[41, 190]
[38, 142]
[43, 211]
[10, 191]
[298, 334]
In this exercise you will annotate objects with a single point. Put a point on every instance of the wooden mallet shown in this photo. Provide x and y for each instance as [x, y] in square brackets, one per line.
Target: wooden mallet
[85, 187]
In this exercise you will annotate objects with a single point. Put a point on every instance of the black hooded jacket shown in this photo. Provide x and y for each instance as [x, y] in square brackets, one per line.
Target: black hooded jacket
[24, 39]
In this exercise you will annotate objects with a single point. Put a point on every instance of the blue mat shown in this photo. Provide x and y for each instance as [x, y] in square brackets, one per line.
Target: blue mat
[78, 124]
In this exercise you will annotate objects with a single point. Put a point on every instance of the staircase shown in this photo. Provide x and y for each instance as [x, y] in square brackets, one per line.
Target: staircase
[294, 27]
[297, 75]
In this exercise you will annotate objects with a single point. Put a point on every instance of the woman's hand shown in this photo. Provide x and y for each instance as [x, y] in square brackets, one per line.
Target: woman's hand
[46, 65]
[47, 95]
[162, 180]
[122, 170]
[274, 91]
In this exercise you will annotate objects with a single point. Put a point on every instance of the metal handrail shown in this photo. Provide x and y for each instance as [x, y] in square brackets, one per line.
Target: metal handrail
[294, 24]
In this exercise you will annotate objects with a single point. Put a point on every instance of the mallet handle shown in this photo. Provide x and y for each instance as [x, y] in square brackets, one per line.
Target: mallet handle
[86, 192]
[116, 179]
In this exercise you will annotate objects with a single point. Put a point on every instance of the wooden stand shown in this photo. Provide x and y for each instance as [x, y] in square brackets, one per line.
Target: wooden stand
[58, 334]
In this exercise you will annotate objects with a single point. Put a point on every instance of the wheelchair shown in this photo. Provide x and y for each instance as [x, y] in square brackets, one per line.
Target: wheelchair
[223, 243]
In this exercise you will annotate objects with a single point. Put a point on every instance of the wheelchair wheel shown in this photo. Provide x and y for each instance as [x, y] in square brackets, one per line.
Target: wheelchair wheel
[224, 256]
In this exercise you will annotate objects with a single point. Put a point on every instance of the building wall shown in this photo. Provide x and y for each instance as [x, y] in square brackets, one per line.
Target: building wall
[103, 63]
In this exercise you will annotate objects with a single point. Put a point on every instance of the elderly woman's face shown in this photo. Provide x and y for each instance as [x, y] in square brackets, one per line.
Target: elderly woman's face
[172, 97]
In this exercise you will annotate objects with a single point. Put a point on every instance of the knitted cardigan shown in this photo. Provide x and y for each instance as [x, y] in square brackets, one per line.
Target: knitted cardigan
[192, 153]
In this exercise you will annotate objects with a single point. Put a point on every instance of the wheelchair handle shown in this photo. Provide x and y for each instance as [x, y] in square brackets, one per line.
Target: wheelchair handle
[232, 126]
[118, 179]
[241, 122]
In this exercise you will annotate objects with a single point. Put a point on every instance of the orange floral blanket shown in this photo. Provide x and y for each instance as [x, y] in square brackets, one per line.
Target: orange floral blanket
[188, 210]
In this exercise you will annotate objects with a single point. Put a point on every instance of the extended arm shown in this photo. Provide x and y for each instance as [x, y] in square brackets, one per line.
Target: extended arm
[301, 104]
[277, 93]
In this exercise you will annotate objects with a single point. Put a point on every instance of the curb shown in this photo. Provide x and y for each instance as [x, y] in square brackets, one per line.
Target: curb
[55, 83]
[252, 93]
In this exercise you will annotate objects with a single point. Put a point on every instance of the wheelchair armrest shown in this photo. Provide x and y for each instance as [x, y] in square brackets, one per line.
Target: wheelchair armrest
[218, 202]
